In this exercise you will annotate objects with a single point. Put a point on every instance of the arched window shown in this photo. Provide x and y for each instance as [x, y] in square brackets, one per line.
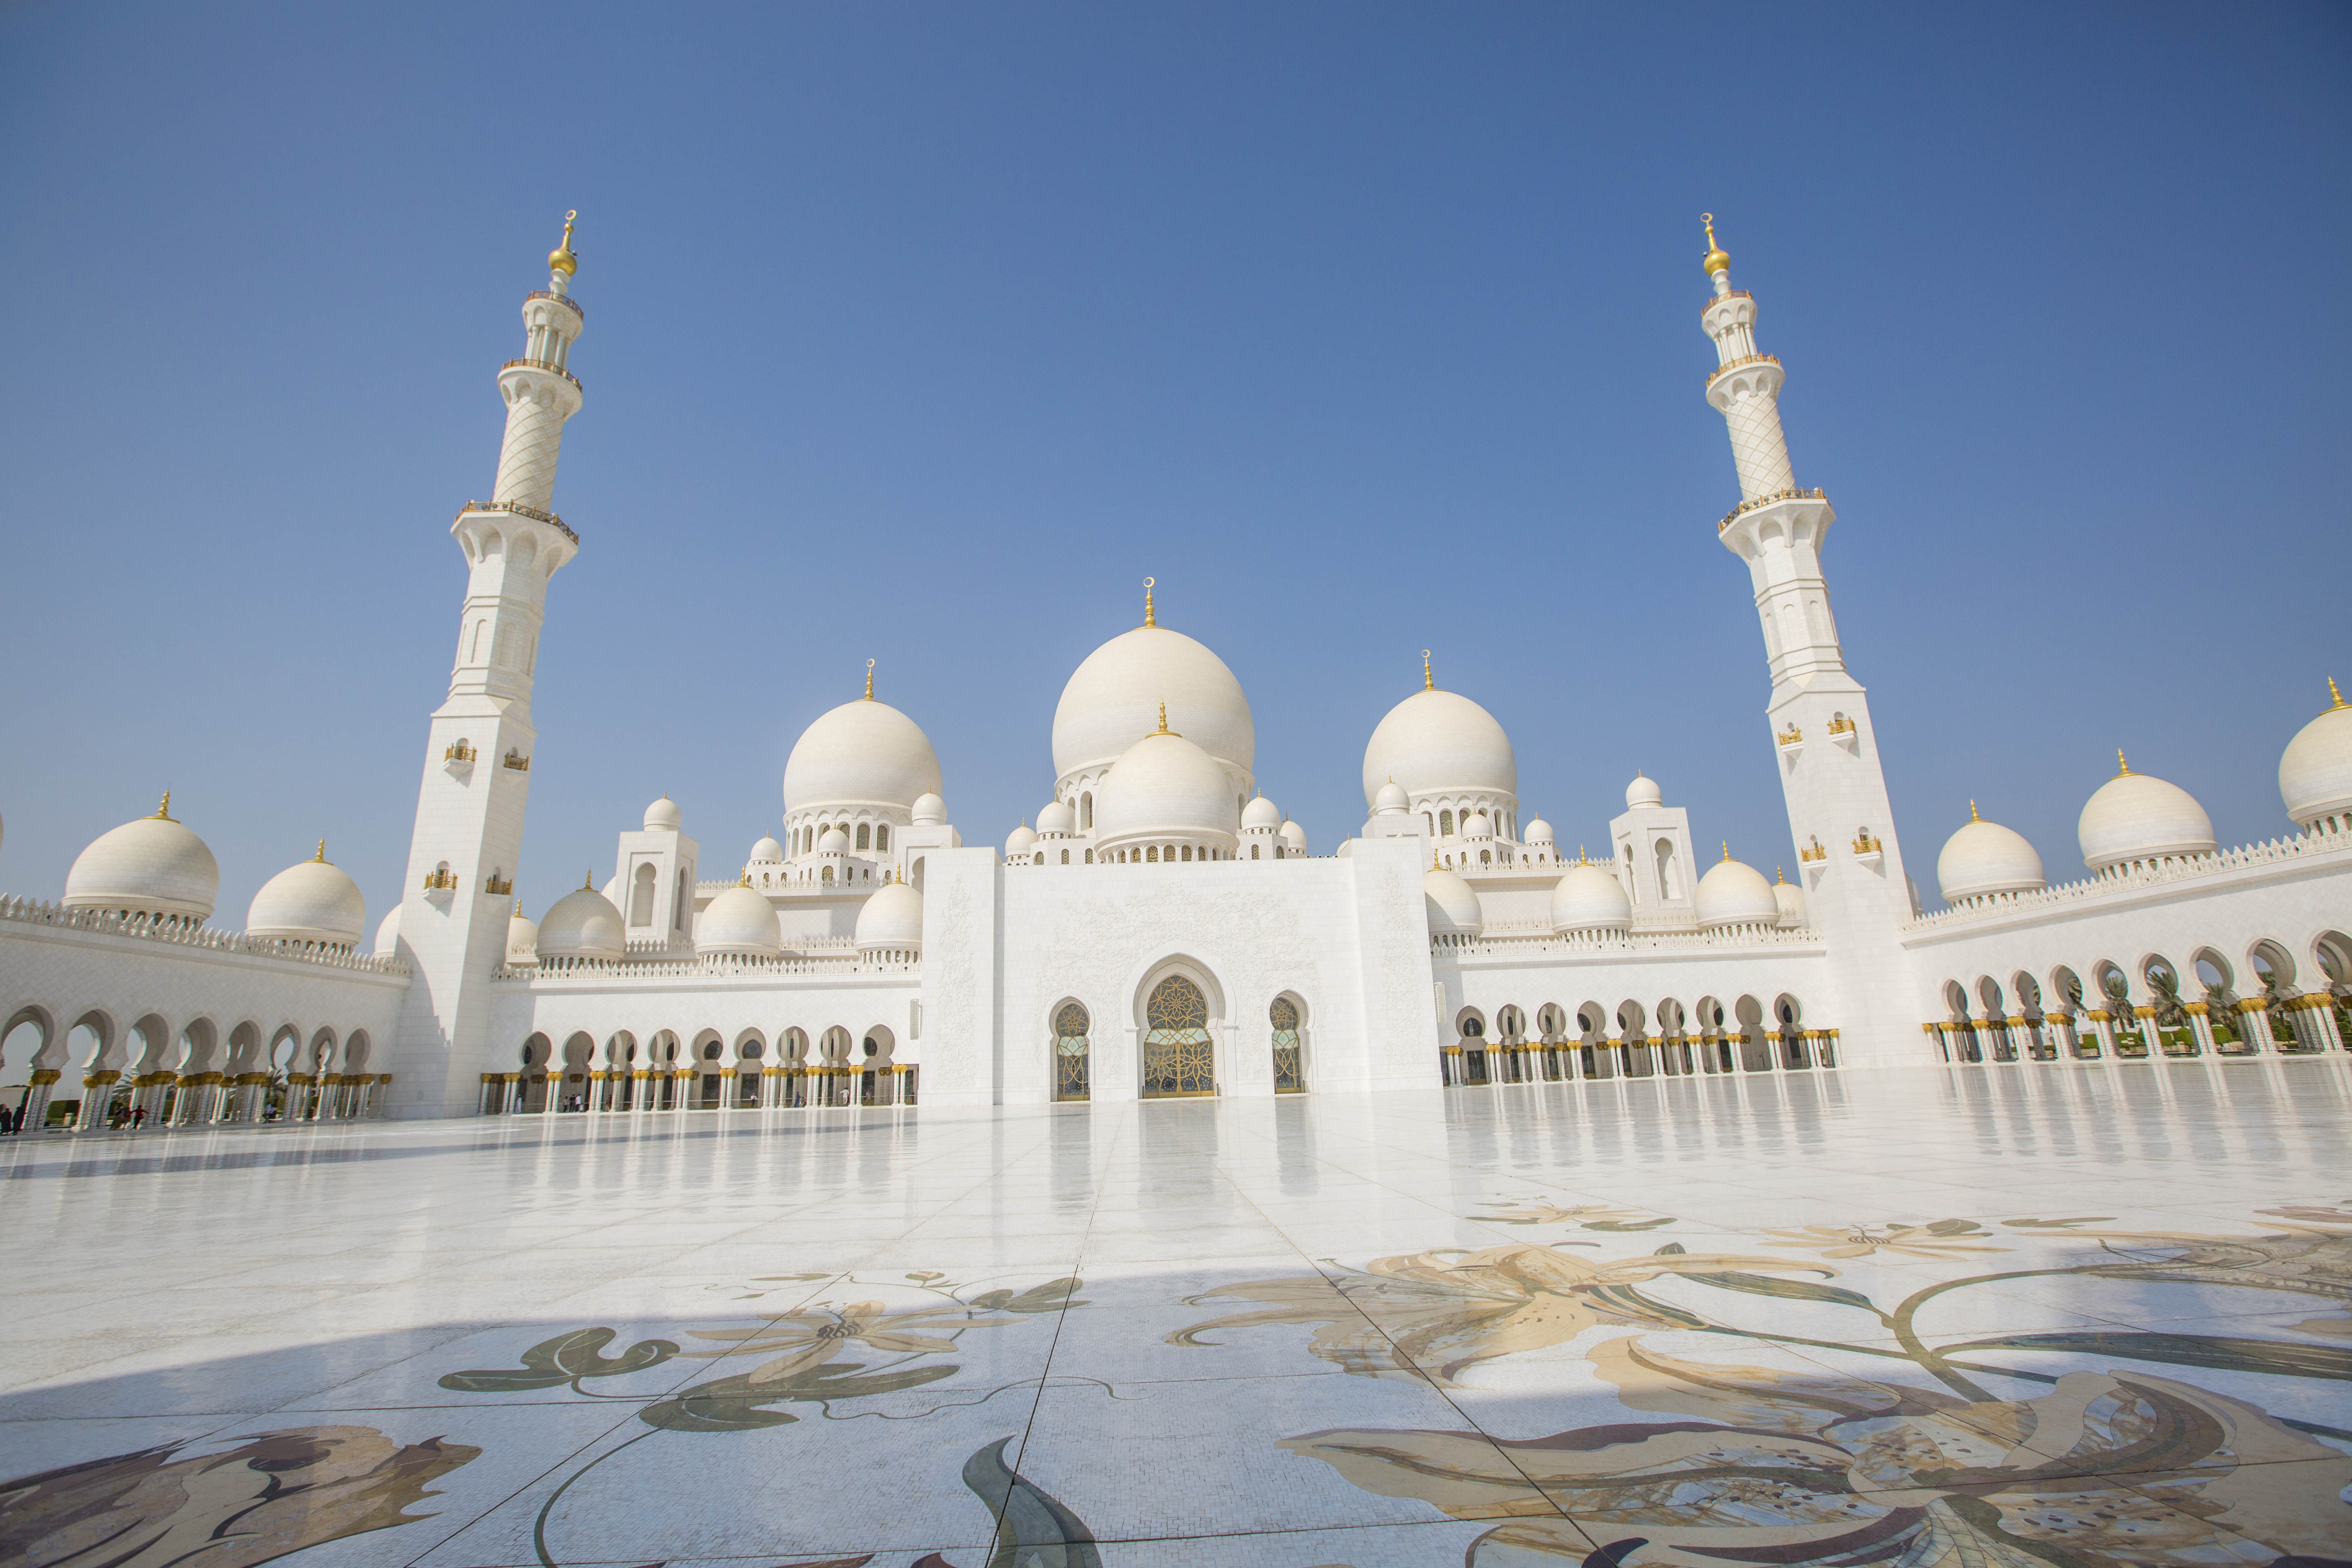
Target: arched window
[1086, 812]
[865, 836]
[827, 877]
[1289, 1069]
[882, 838]
[1091, 857]
[1485, 856]
[641, 897]
[1665, 859]
[1188, 852]
[685, 899]
[1445, 825]
[1152, 853]
[1177, 1055]
[1254, 855]
[1070, 1051]
[1066, 856]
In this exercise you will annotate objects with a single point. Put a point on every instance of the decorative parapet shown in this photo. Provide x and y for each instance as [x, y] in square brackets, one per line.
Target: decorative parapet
[566, 300]
[550, 366]
[517, 761]
[1538, 942]
[2279, 852]
[848, 965]
[519, 510]
[1774, 498]
[1731, 364]
[182, 933]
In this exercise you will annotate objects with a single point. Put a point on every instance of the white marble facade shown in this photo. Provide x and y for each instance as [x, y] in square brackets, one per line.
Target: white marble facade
[862, 949]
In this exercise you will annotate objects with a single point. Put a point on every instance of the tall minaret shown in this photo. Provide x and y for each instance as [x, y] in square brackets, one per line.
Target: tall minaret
[461, 860]
[1856, 893]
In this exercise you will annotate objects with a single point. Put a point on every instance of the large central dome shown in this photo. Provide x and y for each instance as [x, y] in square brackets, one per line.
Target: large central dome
[1114, 699]
[1440, 742]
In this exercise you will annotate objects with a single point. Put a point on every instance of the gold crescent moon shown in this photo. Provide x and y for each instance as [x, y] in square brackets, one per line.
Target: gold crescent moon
[1706, 217]
[870, 664]
[1424, 652]
[1151, 583]
[571, 215]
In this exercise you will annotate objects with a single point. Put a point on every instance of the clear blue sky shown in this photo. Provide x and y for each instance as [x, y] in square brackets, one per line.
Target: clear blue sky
[924, 334]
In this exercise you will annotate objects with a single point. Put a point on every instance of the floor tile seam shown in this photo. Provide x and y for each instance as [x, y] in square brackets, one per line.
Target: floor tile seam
[1406, 1361]
[483, 1514]
[1029, 1427]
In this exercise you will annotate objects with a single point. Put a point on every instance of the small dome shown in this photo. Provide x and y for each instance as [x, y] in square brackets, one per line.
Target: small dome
[1440, 742]
[153, 866]
[1262, 814]
[2316, 771]
[766, 852]
[1477, 825]
[387, 934]
[1019, 842]
[1293, 836]
[1391, 801]
[1985, 858]
[861, 753]
[1734, 894]
[1113, 696]
[522, 938]
[1538, 834]
[739, 920]
[1058, 817]
[2134, 817]
[1589, 898]
[892, 921]
[833, 841]
[1642, 792]
[1791, 899]
[1452, 907]
[1164, 785]
[313, 901]
[582, 924]
[928, 810]
[664, 816]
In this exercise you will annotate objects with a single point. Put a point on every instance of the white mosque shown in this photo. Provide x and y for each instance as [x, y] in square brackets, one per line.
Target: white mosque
[1163, 929]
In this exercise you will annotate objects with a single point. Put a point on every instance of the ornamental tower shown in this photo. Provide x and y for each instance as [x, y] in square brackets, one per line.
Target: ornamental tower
[461, 860]
[1855, 891]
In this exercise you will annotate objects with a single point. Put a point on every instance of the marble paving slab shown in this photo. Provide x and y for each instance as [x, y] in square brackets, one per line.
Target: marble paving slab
[2077, 1316]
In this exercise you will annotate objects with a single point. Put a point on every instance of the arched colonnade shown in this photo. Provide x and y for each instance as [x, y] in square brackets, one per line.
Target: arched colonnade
[1553, 1044]
[793, 1069]
[153, 1071]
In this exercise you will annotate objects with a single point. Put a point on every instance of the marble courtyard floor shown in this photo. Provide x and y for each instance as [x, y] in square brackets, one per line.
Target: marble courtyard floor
[1992, 1317]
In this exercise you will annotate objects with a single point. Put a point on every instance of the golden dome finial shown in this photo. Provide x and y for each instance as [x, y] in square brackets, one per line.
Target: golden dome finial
[1780, 875]
[1428, 681]
[745, 879]
[1163, 721]
[588, 882]
[561, 258]
[1718, 259]
[1972, 813]
[2339, 701]
[1147, 621]
[163, 812]
[1727, 851]
[2123, 768]
[869, 681]
[321, 857]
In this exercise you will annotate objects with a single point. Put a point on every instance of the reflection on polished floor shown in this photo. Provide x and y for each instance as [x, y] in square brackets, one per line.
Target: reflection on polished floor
[1981, 1317]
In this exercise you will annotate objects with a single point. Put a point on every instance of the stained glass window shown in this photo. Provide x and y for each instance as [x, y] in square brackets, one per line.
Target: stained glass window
[1177, 1055]
[1070, 1052]
[1289, 1069]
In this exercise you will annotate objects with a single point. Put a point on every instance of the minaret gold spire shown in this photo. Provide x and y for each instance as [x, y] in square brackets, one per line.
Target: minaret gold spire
[1718, 259]
[1146, 604]
[869, 681]
[1428, 681]
[163, 812]
[561, 258]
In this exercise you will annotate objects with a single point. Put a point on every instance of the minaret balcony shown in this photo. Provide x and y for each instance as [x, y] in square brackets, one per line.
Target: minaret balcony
[551, 368]
[517, 509]
[1764, 367]
[566, 300]
[1789, 517]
